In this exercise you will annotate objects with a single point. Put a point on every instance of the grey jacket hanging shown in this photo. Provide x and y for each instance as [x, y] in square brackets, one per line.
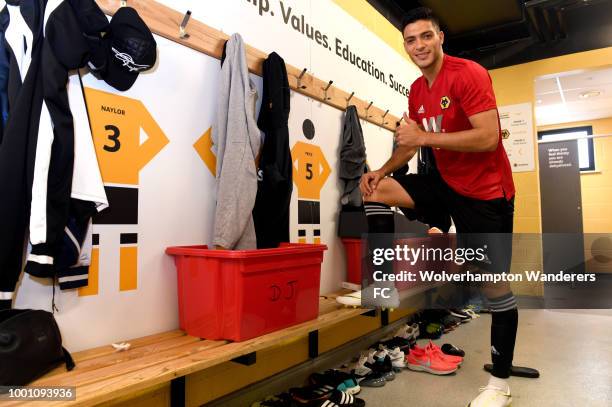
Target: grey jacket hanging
[236, 141]
[352, 158]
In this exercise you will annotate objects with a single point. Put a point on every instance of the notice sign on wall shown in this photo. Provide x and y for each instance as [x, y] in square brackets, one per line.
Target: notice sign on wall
[559, 157]
[517, 134]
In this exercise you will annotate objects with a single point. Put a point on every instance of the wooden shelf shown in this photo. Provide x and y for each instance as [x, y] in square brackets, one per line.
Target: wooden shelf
[165, 22]
[103, 374]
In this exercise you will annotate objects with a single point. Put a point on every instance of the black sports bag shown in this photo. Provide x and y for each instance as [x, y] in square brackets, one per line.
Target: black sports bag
[30, 346]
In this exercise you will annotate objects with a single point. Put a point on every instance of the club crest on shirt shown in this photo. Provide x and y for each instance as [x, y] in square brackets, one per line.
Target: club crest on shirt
[445, 102]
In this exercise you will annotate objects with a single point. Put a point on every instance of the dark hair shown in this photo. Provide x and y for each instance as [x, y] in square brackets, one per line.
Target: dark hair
[420, 13]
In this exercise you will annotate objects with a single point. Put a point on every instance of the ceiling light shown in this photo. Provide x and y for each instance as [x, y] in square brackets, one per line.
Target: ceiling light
[539, 101]
[589, 94]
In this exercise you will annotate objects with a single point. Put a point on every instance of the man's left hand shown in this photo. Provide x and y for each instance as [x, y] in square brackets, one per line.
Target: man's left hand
[409, 134]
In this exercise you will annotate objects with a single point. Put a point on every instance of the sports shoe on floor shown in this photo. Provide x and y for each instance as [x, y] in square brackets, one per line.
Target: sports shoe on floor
[460, 314]
[394, 353]
[340, 380]
[310, 394]
[449, 349]
[398, 358]
[491, 396]
[359, 368]
[450, 323]
[397, 342]
[371, 297]
[333, 399]
[420, 360]
[384, 367]
[280, 400]
[471, 313]
[436, 351]
[372, 379]
[343, 399]
[408, 331]
[365, 376]
[430, 330]
[476, 306]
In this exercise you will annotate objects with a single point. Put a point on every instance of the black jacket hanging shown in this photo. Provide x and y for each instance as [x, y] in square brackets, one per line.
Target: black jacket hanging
[18, 148]
[271, 212]
[45, 40]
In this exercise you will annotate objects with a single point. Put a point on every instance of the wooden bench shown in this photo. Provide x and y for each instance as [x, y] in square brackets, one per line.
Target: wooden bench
[105, 376]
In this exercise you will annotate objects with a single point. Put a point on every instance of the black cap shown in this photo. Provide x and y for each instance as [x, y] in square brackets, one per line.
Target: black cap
[127, 49]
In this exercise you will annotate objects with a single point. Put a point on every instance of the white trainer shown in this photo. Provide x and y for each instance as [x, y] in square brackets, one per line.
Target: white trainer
[398, 359]
[373, 296]
[350, 300]
[492, 396]
[359, 368]
[408, 331]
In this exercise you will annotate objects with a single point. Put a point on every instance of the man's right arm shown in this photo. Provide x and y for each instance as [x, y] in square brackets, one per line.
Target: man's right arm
[369, 180]
[399, 158]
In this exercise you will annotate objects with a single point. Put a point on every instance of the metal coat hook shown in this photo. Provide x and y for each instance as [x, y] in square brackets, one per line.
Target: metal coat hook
[349, 98]
[325, 90]
[368, 108]
[383, 117]
[399, 121]
[299, 79]
[183, 27]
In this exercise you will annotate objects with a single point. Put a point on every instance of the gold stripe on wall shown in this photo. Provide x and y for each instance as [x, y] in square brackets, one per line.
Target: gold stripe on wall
[94, 275]
[128, 271]
[367, 15]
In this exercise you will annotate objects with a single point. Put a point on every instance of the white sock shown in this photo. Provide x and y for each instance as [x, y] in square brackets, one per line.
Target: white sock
[498, 383]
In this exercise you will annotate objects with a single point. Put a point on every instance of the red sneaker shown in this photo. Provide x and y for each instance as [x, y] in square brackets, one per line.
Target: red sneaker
[435, 350]
[420, 359]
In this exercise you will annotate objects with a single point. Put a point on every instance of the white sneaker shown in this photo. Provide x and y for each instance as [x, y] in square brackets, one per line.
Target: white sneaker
[371, 354]
[408, 331]
[359, 368]
[398, 359]
[471, 313]
[491, 396]
[366, 297]
[350, 300]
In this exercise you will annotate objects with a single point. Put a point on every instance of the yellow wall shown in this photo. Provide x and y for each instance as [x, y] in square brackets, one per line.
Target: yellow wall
[597, 186]
[515, 84]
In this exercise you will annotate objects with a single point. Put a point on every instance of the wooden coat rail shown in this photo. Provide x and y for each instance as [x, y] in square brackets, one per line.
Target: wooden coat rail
[166, 22]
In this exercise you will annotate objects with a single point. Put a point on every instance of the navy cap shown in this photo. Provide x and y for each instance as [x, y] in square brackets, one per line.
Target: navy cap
[127, 49]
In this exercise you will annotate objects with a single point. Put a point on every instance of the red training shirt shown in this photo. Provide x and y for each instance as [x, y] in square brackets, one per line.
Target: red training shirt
[462, 89]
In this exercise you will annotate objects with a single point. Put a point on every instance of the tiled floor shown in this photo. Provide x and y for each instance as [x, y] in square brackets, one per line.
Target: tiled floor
[571, 349]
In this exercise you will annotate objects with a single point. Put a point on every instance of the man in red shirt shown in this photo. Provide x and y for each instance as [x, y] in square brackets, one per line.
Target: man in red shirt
[452, 111]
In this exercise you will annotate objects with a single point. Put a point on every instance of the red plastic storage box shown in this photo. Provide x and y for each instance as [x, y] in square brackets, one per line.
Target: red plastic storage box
[353, 250]
[240, 294]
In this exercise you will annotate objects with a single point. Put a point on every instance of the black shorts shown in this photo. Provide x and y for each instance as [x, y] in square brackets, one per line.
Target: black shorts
[309, 212]
[479, 223]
